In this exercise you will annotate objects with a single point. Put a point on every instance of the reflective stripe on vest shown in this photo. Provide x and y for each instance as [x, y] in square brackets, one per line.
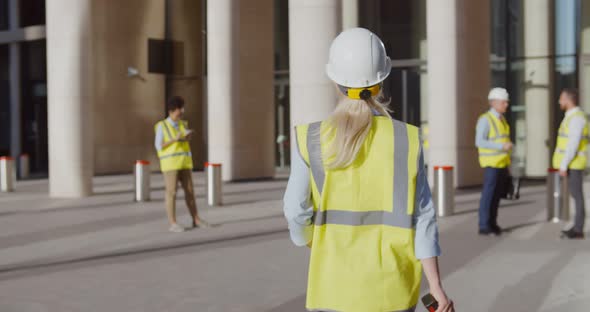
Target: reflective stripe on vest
[176, 156]
[499, 133]
[580, 160]
[362, 255]
[397, 217]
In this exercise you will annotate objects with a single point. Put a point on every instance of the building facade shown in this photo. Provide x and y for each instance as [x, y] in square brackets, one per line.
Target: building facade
[82, 82]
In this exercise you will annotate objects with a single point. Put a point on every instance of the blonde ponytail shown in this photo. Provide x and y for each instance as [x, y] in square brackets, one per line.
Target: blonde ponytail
[347, 129]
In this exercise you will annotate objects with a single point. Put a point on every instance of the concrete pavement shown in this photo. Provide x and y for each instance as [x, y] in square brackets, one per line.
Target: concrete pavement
[106, 253]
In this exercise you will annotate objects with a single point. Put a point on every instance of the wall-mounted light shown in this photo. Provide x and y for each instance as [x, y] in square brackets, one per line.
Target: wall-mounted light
[132, 72]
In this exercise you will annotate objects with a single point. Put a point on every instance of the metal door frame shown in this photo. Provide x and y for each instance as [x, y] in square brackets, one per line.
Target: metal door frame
[404, 65]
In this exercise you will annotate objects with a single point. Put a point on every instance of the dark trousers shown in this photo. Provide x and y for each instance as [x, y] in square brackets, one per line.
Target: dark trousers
[575, 185]
[493, 187]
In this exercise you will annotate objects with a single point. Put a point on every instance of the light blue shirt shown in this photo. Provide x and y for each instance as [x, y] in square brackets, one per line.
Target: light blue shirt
[482, 132]
[298, 209]
[160, 133]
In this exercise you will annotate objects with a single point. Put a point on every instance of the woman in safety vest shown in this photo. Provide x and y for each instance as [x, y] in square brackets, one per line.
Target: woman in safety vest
[358, 194]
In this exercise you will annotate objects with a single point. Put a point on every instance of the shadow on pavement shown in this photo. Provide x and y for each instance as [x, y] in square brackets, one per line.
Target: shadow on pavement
[520, 226]
[81, 228]
[295, 305]
[502, 206]
[43, 266]
[514, 297]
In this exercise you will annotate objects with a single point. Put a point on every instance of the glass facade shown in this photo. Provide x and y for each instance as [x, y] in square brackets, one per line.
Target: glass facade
[4, 22]
[402, 27]
[281, 85]
[4, 101]
[33, 87]
[511, 66]
[34, 104]
[32, 12]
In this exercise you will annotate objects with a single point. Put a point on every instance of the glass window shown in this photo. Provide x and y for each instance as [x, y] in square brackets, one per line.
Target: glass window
[34, 103]
[4, 23]
[567, 28]
[281, 83]
[4, 102]
[400, 24]
[32, 12]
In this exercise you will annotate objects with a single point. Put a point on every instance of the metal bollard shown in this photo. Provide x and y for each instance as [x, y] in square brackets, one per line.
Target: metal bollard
[7, 174]
[24, 166]
[557, 197]
[142, 181]
[444, 190]
[214, 185]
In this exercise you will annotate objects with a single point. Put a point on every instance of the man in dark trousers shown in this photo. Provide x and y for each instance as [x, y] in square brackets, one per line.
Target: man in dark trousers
[570, 156]
[493, 144]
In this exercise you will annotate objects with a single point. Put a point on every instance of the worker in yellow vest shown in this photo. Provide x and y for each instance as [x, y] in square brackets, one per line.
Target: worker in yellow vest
[570, 156]
[493, 143]
[176, 162]
[358, 194]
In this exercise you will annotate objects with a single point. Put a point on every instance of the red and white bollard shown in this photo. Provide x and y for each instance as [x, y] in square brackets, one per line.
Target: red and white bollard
[444, 190]
[214, 184]
[7, 174]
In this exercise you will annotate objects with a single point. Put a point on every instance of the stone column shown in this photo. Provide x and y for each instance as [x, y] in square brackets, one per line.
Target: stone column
[458, 34]
[69, 73]
[312, 27]
[350, 14]
[584, 69]
[241, 115]
[537, 85]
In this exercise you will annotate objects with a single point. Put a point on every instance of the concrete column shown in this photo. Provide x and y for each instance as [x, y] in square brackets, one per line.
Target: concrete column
[584, 69]
[69, 68]
[537, 86]
[458, 82]
[241, 113]
[350, 14]
[312, 27]
[15, 83]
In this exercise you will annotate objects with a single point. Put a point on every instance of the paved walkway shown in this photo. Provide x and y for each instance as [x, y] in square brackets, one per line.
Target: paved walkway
[106, 253]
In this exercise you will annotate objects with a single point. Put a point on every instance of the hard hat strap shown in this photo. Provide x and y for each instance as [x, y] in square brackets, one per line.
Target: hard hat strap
[361, 93]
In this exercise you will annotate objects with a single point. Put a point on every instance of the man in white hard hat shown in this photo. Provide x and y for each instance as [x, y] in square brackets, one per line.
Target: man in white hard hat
[494, 146]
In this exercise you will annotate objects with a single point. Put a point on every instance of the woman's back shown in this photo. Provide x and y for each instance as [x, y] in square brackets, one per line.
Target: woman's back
[358, 194]
[363, 220]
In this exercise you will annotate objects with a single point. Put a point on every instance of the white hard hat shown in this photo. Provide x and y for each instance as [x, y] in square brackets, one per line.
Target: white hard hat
[498, 94]
[358, 59]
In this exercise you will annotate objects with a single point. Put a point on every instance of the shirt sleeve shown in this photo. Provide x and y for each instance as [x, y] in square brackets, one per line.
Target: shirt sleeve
[426, 240]
[576, 129]
[297, 207]
[159, 138]
[481, 135]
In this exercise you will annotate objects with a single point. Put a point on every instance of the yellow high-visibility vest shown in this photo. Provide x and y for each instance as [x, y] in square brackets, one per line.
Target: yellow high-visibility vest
[499, 133]
[362, 255]
[176, 156]
[579, 161]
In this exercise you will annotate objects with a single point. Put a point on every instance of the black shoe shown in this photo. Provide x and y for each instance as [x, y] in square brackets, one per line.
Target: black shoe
[572, 234]
[489, 233]
[497, 230]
